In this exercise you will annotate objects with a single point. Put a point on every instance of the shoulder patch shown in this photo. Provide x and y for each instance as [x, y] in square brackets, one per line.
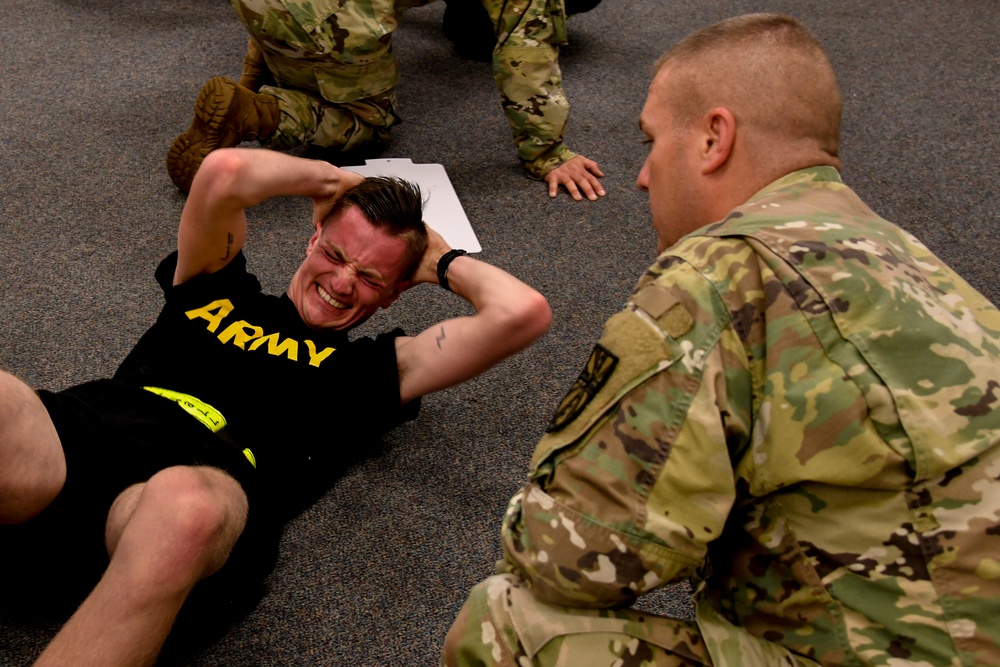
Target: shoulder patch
[663, 307]
[654, 299]
[595, 374]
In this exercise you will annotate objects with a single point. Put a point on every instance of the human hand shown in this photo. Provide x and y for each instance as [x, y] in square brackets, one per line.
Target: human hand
[578, 173]
[436, 248]
[323, 203]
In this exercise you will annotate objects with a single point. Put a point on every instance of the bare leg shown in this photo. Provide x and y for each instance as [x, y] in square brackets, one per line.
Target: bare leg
[163, 536]
[32, 465]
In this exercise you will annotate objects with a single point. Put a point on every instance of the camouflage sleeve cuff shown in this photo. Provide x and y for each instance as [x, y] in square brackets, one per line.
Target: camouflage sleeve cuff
[539, 167]
[574, 560]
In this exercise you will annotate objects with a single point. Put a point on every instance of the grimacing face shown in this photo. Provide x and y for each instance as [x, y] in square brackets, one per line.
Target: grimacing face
[351, 270]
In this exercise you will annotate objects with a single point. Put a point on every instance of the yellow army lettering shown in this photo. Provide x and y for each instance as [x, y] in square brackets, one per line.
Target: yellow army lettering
[241, 332]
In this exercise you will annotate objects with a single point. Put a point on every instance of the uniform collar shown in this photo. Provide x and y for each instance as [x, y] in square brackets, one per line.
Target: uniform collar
[821, 174]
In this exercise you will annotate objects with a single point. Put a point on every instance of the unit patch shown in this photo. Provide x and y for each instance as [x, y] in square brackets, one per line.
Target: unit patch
[594, 376]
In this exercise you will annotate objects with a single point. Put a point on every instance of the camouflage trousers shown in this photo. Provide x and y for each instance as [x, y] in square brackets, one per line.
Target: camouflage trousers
[503, 625]
[332, 102]
[307, 119]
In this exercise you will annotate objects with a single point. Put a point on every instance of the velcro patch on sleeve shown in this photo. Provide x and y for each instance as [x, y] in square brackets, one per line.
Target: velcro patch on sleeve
[594, 375]
[631, 350]
[655, 300]
[664, 307]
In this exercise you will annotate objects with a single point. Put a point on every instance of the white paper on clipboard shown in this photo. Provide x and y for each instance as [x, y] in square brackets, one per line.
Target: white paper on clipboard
[442, 210]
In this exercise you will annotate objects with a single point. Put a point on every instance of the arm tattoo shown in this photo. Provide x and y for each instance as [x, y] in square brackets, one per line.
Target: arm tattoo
[229, 245]
[440, 338]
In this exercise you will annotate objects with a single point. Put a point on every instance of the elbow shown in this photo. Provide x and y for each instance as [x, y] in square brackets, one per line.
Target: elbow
[520, 319]
[533, 317]
[220, 172]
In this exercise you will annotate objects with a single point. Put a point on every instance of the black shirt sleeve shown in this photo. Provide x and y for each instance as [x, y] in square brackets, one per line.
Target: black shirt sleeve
[234, 271]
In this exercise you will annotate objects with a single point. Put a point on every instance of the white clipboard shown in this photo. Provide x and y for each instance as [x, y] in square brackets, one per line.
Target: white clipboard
[442, 209]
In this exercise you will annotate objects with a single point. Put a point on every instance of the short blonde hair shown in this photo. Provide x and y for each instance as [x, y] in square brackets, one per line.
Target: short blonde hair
[767, 69]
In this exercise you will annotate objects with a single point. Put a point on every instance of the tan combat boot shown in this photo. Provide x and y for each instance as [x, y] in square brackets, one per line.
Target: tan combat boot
[224, 115]
[253, 67]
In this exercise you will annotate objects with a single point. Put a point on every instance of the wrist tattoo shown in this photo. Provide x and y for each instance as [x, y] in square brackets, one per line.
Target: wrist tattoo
[440, 338]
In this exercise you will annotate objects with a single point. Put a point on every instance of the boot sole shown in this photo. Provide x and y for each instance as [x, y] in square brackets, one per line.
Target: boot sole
[203, 136]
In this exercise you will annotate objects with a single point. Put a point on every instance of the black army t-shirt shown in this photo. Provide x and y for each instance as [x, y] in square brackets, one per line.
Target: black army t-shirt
[298, 398]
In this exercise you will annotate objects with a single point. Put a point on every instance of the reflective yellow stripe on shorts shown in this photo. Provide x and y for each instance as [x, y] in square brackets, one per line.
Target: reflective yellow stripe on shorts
[197, 408]
[201, 411]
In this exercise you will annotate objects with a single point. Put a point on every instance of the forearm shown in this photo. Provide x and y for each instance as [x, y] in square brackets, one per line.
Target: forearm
[509, 316]
[509, 310]
[535, 103]
[213, 224]
[527, 74]
[245, 177]
[574, 560]
[589, 530]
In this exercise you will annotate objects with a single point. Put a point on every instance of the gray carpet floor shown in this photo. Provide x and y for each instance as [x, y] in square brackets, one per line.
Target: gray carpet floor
[94, 91]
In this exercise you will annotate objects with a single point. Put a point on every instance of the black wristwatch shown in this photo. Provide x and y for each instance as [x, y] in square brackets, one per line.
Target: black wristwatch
[444, 263]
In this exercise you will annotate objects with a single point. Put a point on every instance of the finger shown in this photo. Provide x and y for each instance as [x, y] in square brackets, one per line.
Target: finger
[573, 190]
[588, 189]
[553, 188]
[596, 185]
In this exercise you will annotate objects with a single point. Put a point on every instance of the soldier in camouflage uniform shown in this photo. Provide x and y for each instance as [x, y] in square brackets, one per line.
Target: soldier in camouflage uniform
[797, 411]
[334, 76]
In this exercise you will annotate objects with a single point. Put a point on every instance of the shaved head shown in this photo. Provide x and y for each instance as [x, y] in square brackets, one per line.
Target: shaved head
[732, 108]
[770, 72]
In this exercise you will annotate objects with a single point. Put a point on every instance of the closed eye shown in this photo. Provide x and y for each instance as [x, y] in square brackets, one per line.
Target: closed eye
[370, 281]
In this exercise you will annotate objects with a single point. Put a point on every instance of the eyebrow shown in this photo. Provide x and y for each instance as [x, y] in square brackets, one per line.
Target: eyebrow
[370, 274]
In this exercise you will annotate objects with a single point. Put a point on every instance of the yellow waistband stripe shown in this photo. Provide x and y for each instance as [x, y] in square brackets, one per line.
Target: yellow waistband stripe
[197, 408]
[201, 411]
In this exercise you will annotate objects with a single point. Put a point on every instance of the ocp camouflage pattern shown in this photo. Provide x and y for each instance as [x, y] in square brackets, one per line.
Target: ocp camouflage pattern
[503, 624]
[336, 73]
[803, 421]
[527, 74]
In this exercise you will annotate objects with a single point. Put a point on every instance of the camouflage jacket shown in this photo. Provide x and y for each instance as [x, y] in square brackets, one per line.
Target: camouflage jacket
[344, 48]
[797, 409]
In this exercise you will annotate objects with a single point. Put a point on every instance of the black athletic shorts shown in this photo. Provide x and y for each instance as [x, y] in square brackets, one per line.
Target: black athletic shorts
[115, 435]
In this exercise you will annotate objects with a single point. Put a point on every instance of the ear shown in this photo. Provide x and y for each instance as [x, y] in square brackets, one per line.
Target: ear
[718, 139]
[313, 239]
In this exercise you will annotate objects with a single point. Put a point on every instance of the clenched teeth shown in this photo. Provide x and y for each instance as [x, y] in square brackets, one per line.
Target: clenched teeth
[323, 294]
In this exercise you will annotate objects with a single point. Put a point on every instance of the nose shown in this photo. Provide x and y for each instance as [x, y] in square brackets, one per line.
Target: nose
[642, 182]
[343, 280]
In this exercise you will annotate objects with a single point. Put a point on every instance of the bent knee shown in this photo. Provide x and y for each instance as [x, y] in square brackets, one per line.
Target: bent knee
[202, 507]
[32, 463]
